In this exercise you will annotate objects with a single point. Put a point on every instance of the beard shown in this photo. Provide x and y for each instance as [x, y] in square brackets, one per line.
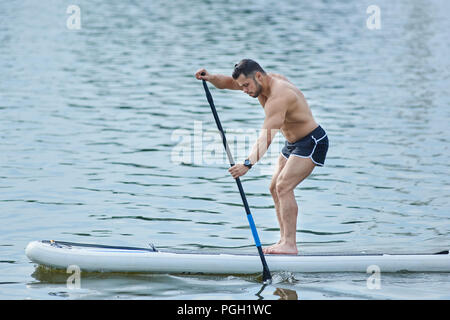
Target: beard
[258, 89]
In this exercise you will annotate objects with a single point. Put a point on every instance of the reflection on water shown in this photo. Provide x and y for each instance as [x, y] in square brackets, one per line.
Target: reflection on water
[286, 294]
[136, 285]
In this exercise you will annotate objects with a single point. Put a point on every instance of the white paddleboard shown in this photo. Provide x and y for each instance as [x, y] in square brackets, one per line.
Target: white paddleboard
[101, 258]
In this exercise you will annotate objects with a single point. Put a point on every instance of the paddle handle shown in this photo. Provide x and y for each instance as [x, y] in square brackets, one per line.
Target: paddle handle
[267, 278]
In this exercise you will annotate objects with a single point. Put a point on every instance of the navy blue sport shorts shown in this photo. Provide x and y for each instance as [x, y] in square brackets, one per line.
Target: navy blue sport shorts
[314, 145]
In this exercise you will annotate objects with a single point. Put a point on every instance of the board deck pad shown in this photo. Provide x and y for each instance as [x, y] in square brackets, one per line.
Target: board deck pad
[152, 248]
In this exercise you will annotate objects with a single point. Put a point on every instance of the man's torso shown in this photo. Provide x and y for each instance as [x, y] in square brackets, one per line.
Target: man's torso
[299, 120]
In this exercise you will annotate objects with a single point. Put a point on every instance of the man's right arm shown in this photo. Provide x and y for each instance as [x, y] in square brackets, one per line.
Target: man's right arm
[218, 80]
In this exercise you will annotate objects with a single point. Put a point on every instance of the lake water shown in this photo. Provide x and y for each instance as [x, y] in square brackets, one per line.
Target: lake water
[106, 137]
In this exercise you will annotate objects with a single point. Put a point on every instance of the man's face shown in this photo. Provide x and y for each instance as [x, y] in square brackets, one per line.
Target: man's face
[249, 85]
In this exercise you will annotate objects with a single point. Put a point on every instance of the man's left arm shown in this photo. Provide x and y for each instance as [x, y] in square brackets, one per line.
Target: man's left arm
[275, 111]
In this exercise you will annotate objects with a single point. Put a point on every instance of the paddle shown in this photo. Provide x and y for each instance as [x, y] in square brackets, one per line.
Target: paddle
[267, 278]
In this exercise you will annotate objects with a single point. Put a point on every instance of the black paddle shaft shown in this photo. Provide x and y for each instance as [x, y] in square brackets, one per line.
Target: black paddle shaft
[266, 273]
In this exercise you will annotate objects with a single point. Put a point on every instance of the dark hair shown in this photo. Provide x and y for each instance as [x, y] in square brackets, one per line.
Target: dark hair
[247, 67]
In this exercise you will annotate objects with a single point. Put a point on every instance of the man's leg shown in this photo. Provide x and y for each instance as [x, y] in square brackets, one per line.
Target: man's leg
[273, 191]
[295, 171]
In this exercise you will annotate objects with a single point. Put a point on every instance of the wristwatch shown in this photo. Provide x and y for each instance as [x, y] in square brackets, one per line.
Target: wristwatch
[247, 163]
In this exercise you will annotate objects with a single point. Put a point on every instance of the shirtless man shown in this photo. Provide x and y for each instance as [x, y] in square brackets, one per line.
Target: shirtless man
[306, 143]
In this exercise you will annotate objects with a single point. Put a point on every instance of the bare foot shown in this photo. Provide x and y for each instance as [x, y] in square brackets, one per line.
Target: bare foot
[282, 248]
[265, 250]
